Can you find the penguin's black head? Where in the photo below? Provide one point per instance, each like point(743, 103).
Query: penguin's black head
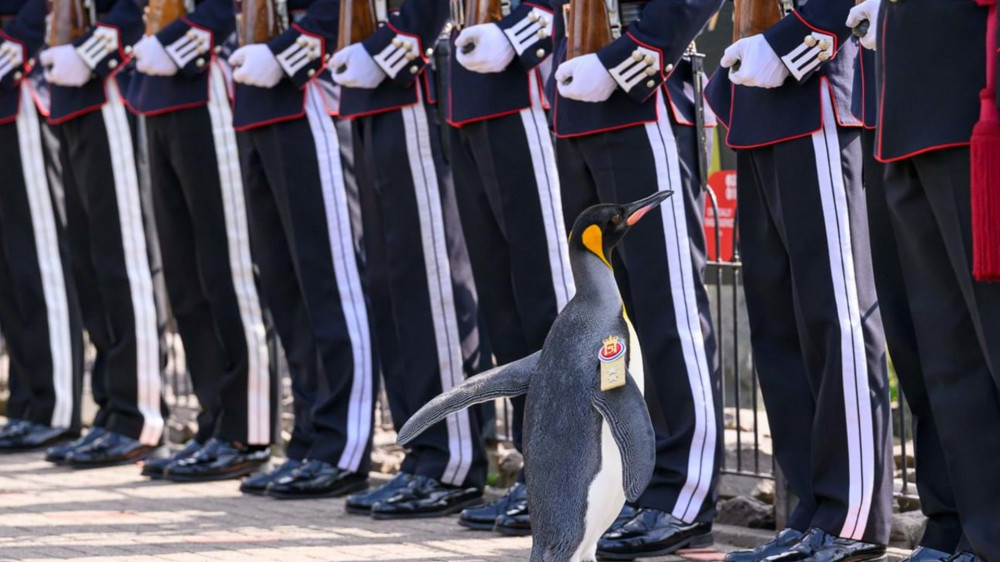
point(600, 228)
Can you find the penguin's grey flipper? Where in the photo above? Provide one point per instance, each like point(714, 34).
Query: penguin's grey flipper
point(624, 409)
point(506, 380)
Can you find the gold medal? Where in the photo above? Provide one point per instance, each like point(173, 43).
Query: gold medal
point(613, 369)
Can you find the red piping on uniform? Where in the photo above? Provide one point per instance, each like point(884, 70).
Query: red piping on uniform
point(555, 115)
point(732, 101)
point(451, 108)
point(281, 119)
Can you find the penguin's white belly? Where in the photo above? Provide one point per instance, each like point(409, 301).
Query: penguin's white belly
point(605, 497)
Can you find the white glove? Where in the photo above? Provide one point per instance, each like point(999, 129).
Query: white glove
point(152, 59)
point(64, 67)
point(584, 78)
point(256, 66)
point(355, 68)
point(759, 65)
point(866, 11)
point(492, 51)
point(11, 57)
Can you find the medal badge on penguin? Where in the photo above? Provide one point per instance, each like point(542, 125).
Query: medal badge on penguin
point(588, 439)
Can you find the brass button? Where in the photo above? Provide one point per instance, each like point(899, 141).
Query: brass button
point(410, 56)
point(414, 69)
point(199, 62)
point(540, 53)
point(542, 34)
point(128, 49)
point(824, 45)
point(650, 71)
point(326, 57)
point(429, 51)
point(637, 55)
point(112, 64)
point(650, 83)
point(311, 72)
point(532, 16)
point(190, 34)
point(301, 41)
point(648, 59)
point(217, 49)
point(809, 40)
point(823, 55)
point(17, 75)
point(397, 42)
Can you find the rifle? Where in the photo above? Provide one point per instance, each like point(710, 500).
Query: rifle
point(259, 21)
point(589, 26)
point(751, 17)
point(67, 21)
point(357, 21)
point(161, 13)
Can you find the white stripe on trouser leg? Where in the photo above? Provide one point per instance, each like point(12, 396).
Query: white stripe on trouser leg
point(140, 281)
point(549, 197)
point(50, 266)
point(438, 270)
point(240, 261)
point(836, 220)
point(701, 457)
point(345, 268)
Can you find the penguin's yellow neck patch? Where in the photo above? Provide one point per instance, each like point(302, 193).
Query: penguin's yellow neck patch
point(593, 240)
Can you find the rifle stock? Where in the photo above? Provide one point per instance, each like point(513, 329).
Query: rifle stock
point(258, 21)
point(67, 21)
point(588, 27)
point(751, 17)
point(161, 13)
point(482, 11)
point(357, 21)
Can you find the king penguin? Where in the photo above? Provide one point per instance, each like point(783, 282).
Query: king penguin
point(588, 439)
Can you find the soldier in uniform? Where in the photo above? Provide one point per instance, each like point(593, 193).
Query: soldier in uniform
point(815, 324)
point(926, 138)
point(38, 307)
point(301, 208)
point(201, 218)
point(937, 499)
point(508, 197)
point(112, 250)
point(423, 297)
point(623, 126)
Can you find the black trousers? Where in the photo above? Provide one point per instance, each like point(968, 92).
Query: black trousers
point(816, 329)
point(204, 236)
point(39, 313)
point(423, 296)
point(937, 499)
point(660, 270)
point(507, 189)
point(956, 325)
point(300, 215)
point(110, 243)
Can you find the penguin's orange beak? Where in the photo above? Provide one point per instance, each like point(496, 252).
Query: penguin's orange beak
point(637, 210)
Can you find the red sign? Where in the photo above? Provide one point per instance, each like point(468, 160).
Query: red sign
point(723, 183)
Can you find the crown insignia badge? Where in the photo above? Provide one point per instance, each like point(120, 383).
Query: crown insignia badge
point(612, 349)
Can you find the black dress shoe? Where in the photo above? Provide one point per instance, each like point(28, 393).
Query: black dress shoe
point(218, 460)
point(653, 533)
point(782, 542)
point(426, 497)
point(965, 557)
point(58, 453)
point(317, 479)
point(924, 554)
point(624, 516)
point(515, 523)
point(11, 426)
point(153, 468)
point(819, 546)
point(361, 504)
point(484, 517)
point(256, 484)
point(109, 449)
point(29, 436)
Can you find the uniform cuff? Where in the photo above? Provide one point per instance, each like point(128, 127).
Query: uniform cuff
point(301, 54)
point(637, 67)
point(11, 63)
point(400, 55)
point(801, 47)
point(101, 49)
point(189, 46)
point(529, 30)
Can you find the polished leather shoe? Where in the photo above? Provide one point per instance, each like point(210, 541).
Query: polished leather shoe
point(109, 449)
point(218, 460)
point(782, 542)
point(624, 516)
point(653, 533)
point(57, 454)
point(426, 497)
point(819, 546)
point(256, 484)
point(9, 427)
point(924, 554)
point(29, 436)
point(515, 523)
point(317, 479)
point(965, 557)
point(153, 468)
point(483, 518)
point(361, 504)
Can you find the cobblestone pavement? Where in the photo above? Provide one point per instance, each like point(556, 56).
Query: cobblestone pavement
point(51, 512)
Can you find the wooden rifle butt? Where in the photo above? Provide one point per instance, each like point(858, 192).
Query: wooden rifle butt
point(67, 21)
point(588, 27)
point(161, 13)
point(357, 21)
point(259, 21)
point(482, 11)
point(751, 17)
